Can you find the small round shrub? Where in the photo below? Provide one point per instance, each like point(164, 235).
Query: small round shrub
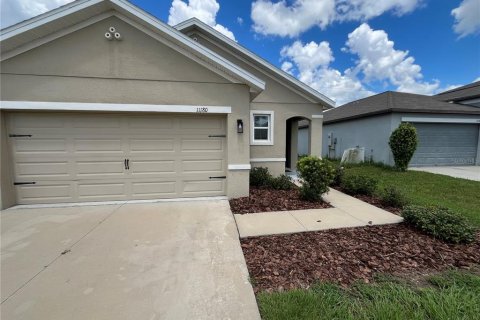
point(403, 143)
point(260, 177)
point(317, 175)
point(440, 223)
point(391, 196)
point(282, 182)
point(359, 185)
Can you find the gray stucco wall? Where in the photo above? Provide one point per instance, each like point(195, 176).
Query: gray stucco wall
point(372, 133)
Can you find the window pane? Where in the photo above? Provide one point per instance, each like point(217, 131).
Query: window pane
point(261, 134)
point(261, 121)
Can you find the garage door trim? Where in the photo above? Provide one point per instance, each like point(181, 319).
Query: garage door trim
point(439, 120)
point(113, 107)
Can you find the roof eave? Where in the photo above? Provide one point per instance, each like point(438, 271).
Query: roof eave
point(304, 88)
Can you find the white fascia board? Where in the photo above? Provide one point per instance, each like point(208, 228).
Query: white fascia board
point(317, 116)
point(46, 18)
point(439, 120)
point(268, 159)
point(236, 167)
point(249, 78)
point(195, 22)
point(111, 107)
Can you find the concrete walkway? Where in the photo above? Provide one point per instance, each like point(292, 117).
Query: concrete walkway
point(463, 172)
point(347, 212)
point(171, 260)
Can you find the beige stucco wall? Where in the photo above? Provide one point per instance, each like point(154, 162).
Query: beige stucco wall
point(85, 67)
point(7, 191)
point(279, 98)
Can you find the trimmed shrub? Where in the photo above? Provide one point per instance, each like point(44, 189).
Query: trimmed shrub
point(260, 177)
point(317, 175)
point(282, 182)
point(440, 223)
point(403, 143)
point(391, 196)
point(359, 185)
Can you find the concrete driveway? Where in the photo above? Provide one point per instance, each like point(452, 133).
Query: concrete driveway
point(464, 172)
point(171, 260)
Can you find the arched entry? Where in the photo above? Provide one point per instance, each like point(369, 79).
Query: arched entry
point(297, 141)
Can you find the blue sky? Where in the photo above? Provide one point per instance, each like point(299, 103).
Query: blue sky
point(346, 49)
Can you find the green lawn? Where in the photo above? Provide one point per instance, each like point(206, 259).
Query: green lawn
point(452, 295)
point(423, 188)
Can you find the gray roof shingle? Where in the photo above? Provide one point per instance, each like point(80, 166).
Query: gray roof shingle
point(469, 91)
point(391, 101)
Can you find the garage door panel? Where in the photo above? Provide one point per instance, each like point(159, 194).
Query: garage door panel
point(149, 167)
point(152, 145)
point(40, 145)
point(190, 166)
point(155, 189)
point(100, 169)
point(45, 192)
point(47, 170)
point(202, 187)
point(102, 190)
point(202, 145)
point(98, 145)
point(209, 124)
point(445, 144)
point(80, 157)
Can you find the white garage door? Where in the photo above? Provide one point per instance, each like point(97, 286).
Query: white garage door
point(98, 157)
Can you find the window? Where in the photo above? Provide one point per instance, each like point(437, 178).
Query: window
point(261, 127)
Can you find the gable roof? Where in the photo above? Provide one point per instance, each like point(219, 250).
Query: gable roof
point(470, 91)
point(191, 24)
point(33, 32)
point(391, 101)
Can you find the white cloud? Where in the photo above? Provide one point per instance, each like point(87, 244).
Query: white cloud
point(14, 11)
point(290, 20)
point(240, 20)
point(284, 19)
point(310, 63)
point(308, 56)
point(467, 18)
point(379, 60)
point(204, 10)
point(367, 9)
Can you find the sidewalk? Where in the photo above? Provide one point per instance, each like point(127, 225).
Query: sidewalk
point(347, 212)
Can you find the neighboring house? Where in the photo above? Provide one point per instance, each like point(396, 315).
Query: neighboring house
point(102, 101)
point(448, 132)
point(469, 95)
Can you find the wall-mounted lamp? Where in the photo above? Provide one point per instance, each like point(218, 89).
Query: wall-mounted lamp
point(239, 126)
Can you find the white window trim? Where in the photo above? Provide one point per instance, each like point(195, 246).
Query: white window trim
point(271, 128)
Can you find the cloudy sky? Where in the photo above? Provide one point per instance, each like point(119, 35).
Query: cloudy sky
point(346, 49)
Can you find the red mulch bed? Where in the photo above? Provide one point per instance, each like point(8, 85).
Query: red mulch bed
point(346, 255)
point(267, 200)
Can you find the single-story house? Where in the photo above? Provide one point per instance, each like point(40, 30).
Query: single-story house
point(102, 101)
point(469, 95)
point(448, 132)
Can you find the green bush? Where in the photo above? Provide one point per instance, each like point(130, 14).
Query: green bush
point(260, 177)
point(281, 182)
point(393, 197)
point(359, 184)
point(338, 176)
point(403, 143)
point(441, 223)
point(317, 174)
